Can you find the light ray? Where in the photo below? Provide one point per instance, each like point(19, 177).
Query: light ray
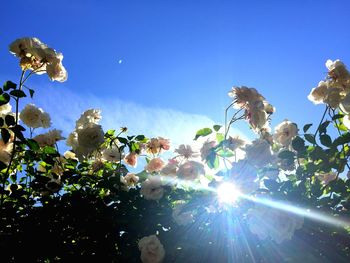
point(234, 196)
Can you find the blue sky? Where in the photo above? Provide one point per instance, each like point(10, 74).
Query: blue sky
point(181, 56)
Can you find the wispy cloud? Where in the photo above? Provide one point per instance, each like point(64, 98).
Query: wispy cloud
point(65, 107)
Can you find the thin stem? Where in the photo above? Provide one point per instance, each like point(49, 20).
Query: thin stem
point(318, 127)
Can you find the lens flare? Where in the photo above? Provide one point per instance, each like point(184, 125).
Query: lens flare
point(227, 193)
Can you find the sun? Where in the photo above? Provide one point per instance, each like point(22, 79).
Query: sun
point(227, 193)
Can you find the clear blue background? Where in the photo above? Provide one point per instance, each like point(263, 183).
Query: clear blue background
point(186, 55)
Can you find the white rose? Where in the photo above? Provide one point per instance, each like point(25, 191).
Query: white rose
point(35, 117)
point(269, 222)
point(112, 154)
point(89, 116)
point(182, 217)
point(130, 180)
point(345, 104)
point(5, 151)
point(186, 151)
point(318, 94)
point(206, 149)
point(49, 139)
point(259, 153)
point(152, 189)
point(337, 70)
point(5, 109)
point(57, 72)
point(72, 140)
point(91, 137)
point(326, 178)
point(155, 165)
point(152, 251)
point(285, 132)
point(170, 168)
point(190, 170)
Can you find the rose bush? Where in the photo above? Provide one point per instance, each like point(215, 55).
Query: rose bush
point(292, 198)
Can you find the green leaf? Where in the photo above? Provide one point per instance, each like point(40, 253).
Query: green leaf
point(4, 98)
point(307, 127)
point(337, 116)
point(343, 139)
point(33, 145)
point(217, 127)
point(31, 93)
point(122, 140)
point(310, 138)
point(326, 140)
point(271, 184)
point(220, 137)
point(140, 138)
point(18, 93)
point(323, 127)
point(298, 144)
point(224, 153)
point(50, 150)
point(212, 160)
point(9, 85)
point(5, 134)
point(10, 120)
point(286, 155)
point(203, 132)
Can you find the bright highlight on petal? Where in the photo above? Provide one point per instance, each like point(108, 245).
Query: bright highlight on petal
point(227, 193)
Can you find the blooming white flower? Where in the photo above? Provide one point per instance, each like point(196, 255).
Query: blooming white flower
point(5, 151)
point(318, 94)
point(35, 117)
point(131, 159)
point(345, 104)
point(326, 178)
point(268, 222)
point(70, 155)
point(154, 165)
point(346, 121)
point(5, 109)
point(186, 151)
point(285, 132)
point(112, 154)
point(181, 217)
point(131, 180)
point(152, 189)
point(170, 168)
point(56, 71)
point(72, 140)
point(91, 116)
point(38, 57)
point(337, 70)
point(234, 143)
point(156, 145)
point(49, 139)
point(259, 153)
point(244, 95)
point(91, 136)
point(190, 170)
point(206, 149)
point(152, 251)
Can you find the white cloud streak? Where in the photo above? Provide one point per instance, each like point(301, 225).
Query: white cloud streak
point(65, 107)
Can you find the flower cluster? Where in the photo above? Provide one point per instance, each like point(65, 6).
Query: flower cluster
point(37, 56)
point(335, 89)
point(257, 109)
point(88, 134)
point(35, 117)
